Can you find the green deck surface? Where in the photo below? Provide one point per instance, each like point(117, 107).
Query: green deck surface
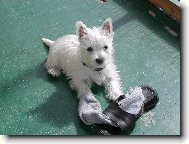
point(176, 2)
point(33, 103)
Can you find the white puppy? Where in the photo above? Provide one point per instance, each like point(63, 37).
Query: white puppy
point(86, 58)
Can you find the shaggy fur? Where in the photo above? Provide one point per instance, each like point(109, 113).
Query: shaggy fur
point(72, 55)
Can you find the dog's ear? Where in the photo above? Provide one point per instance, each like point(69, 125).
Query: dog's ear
point(107, 26)
point(81, 29)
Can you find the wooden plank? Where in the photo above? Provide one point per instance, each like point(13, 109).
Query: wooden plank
point(168, 7)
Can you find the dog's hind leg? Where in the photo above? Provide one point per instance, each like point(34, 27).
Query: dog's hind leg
point(52, 66)
point(55, 72)
point(47, 42)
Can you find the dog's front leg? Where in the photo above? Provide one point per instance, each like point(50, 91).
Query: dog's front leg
point(113, 88)
point(89, 109)
point(82, 88)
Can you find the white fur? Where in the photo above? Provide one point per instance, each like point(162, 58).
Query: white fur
point(68, 52)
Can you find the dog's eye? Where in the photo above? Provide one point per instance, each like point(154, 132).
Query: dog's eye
point(90, 49)
point(105, 47)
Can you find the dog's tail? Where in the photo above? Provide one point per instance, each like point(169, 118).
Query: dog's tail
point(47, 42)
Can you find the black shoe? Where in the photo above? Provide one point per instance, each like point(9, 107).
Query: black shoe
point(151, 97)
point(125, 122)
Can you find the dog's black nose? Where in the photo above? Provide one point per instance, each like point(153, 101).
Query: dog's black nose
point(99, 61)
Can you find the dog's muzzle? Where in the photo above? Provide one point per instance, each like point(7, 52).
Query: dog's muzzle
point(96, 69)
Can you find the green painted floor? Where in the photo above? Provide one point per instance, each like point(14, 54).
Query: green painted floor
point(177, 2)
point(33, 103)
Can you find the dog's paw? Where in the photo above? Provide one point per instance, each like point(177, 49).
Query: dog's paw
point(112, 96)
point(54, 72)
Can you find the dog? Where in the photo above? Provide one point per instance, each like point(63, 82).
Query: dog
point(86, 58)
